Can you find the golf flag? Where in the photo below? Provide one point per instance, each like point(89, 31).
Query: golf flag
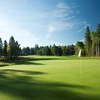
point(79, 54)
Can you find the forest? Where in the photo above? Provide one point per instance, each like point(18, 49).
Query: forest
point(90, 47)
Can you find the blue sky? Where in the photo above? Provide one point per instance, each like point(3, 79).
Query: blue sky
point(45, 22)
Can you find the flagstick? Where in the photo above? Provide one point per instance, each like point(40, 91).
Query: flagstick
point(80, 69)
point(79, 55)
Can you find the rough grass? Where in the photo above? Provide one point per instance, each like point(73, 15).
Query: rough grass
point(50, 78)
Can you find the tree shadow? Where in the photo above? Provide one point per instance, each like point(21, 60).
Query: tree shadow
point(46, 58)
point(30, 60)
point(22, 85)
point(26, 72)
point(3, 65)
point(24, 61)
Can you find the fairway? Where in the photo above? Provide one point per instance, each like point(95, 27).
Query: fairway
point(50, 78)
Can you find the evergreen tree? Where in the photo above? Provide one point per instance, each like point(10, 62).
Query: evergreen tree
point(53, 49)
point(17, 49)
point(27, 50)
point(64, 50)
point(24, 51)
point(32, 51)
point(5, 49)
point(36, 48)
point(88, 42)
point(98, 40)
point(13, 48)
point(94, 46)
point(0, 47)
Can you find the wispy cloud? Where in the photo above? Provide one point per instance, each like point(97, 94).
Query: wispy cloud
point(51, 29)
point(82, 26)
point(62, 5)
point(63, 18)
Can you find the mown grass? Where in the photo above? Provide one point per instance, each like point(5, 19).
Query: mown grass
point(50, 78)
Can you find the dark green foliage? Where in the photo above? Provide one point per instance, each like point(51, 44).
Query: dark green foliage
point(10, 50)
point(92, 42)
point(98, 29)
point(98, 41)
point(27, 51)
point(36, 48)
point(64, 51)
point(88, 42)
point(70, 50)
point(5, 49)
point(53, 49)
point(80, 45)
point(32, 51)
point(50, 50)
point(17, 49)
point(1, 47)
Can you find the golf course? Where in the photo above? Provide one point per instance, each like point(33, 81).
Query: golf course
point(50, 78)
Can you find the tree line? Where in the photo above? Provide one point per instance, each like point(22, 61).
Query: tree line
point(90, 47)
point(49, 50)
point(9, 51)
point(12, 49)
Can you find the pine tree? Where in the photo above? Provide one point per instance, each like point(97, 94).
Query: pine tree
point(98, 40)
point(0, 47)
point(11, 47)
point(17, 49)
point(88, 42)
point(5, 49)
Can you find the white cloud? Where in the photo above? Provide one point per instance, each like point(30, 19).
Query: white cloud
point(58, 26)
point(48, 35)
point(80, 30)
point(51, 29)
point(82, 26)
point(62, 5)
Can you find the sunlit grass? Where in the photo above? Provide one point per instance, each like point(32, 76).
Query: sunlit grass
point(50, 78)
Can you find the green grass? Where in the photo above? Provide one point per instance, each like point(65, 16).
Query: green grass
point(50, 78)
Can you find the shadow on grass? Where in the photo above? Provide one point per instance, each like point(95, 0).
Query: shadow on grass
point(29, 61)
point(3, 65)
point(24, 61)
point(22, 85)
